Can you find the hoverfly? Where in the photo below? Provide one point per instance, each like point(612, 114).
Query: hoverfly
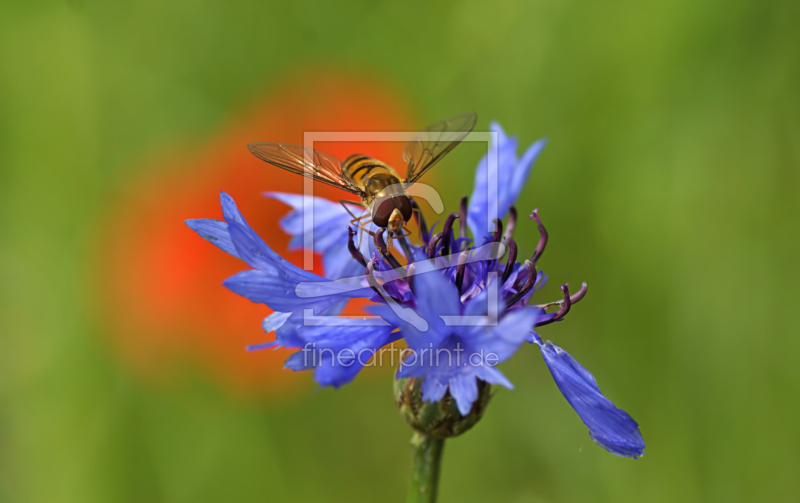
point(383, 193)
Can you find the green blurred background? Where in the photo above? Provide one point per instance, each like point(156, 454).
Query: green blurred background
point(670, 184)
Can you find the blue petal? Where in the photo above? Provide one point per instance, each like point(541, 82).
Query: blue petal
point(329, 231)
point(264, 345)
point(481, 212)
point(338, 263)
point(433, 388)
point(336, 353)
point(511, 176)
point(255, 252)
point(493, 376)
point(247, 236)
point(335, 308)
point(413, 368)
point(328, 216)
point(464, 389)
point(274, 321)
point(477, 216)
point(612, 428)
point(502, 137)
point(218, 233)
point(523, 169)
point(275, 281)
point(215, 232)
point(470, 350)
point(503, 340)
point(437, 297)
point(230, 212)
point(422, 325)
point(279, 292)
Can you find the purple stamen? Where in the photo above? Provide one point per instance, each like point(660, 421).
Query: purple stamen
point(447, 230)
point(573, 299)
point(512, 258)
point(380, 244)
point(373, 283)
point(512, 222)
point(461, 269)
point(351, 246)
point(566, 304)
point(542, 237)
point(529, 282)
point(462, 222)
point(498, 230)
point(433, 243)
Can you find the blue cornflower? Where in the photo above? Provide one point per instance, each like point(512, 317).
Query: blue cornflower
point(460, 308)
point(512, 173)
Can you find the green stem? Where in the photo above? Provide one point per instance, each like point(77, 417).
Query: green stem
point(425, 472)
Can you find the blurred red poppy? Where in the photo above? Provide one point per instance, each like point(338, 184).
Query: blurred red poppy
point(160, 284)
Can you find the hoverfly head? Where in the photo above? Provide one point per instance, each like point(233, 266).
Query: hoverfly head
point(396, 221)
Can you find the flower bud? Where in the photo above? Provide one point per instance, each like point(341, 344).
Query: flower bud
point(439, 419)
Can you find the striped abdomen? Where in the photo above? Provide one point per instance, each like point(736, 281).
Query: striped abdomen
point(360, 168)
point(385, 193)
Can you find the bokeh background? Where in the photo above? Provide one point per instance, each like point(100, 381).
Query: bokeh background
point(670, 184)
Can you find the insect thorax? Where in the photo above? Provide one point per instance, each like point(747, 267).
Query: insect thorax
point(372, 176)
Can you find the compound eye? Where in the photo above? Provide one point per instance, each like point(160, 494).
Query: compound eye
point(403, 204)
point(380, 216)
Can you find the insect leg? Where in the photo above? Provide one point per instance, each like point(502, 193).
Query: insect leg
point(360, 223)
point(405, 246)
point(399, 236)
point(345, 202)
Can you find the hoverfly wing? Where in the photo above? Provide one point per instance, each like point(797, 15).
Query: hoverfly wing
point(428, 147)
point(304, 161)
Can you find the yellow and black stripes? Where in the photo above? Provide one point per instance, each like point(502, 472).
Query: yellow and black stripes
point(359, 168)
